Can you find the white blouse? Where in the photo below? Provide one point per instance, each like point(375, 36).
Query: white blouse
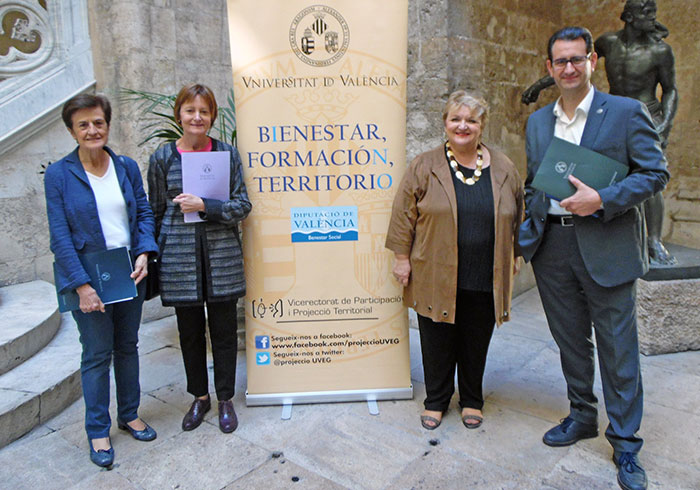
point(111, 208)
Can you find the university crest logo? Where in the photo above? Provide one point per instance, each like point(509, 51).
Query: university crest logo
point(319, 35)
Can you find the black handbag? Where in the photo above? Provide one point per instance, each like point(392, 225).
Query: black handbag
point(153, 279)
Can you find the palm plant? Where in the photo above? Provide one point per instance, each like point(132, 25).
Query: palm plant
point(226, 120)
point(156, 111)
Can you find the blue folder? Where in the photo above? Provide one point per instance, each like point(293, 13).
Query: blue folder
point(110, 276)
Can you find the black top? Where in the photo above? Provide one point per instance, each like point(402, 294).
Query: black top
point(475, 231)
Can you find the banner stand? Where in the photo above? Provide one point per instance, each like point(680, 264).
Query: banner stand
point(372, 408)
point(265, 399)
point(320, 97)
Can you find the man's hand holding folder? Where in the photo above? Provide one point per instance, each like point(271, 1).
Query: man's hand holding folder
point(584, 202)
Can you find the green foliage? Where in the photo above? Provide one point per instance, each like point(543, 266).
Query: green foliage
point(156, 113)
point(226, 124)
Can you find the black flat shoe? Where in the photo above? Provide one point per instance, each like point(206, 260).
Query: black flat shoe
point(147, 434)
point(569, 432)
point(630, 474)
point(195, 415)
point(103, 457)
point(228, 421)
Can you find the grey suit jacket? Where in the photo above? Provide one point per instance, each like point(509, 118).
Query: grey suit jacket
point(613, 240)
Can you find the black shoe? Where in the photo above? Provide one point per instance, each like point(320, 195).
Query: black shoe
point(569, 432)
point(147, 434)
point(228, 421)
point(103, 457)
point(195, 415)
point(630, 474)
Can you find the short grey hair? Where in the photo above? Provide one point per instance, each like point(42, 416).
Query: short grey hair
point(476, 104)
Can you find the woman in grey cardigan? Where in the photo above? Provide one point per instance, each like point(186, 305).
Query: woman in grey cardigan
point(200, 263)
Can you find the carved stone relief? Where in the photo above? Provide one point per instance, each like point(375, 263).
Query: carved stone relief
point(45, 58)
point(26, 37)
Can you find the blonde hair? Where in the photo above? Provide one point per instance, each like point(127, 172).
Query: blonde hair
point(476, 104)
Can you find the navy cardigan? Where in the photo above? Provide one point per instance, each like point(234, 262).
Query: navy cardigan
point(74, 224)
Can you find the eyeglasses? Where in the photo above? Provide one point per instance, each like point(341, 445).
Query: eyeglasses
point(575, 60)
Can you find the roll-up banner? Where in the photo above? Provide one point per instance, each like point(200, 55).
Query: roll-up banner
point(320, 95)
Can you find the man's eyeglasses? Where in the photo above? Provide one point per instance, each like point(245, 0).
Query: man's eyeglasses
point(574, 60)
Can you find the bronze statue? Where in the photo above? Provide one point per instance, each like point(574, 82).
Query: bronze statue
point(637, 60)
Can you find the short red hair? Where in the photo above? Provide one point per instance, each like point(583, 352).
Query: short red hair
point(189, 92)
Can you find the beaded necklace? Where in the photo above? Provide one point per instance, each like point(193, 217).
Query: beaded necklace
point(455, 165)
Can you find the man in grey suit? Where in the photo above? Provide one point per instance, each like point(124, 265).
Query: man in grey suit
point(588, 250)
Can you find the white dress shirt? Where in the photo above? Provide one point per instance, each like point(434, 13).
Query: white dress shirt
point(570, 130)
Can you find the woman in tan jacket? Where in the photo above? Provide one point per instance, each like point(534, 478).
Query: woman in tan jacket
point(453, 231)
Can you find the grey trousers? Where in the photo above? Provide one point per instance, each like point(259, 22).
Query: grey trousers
point(573, 301)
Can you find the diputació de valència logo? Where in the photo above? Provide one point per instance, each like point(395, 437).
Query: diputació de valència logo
point(319, 35)
point(324, 224)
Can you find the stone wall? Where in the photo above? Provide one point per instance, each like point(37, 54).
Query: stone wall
point(24, 236)
point(153, 45)
point(496, 47)
point(156, 46)
point(681, 17)
point(683, 195)
point(493, 47)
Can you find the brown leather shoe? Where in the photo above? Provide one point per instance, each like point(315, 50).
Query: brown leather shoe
point(227, 417)
point(195, 415)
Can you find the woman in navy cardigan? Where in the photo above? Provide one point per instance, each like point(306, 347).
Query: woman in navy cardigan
point(95, 201)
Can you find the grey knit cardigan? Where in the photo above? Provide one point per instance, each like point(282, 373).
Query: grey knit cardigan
point(191, 253)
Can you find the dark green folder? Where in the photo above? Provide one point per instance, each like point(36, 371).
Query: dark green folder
point(563, 159)
point(110, 276)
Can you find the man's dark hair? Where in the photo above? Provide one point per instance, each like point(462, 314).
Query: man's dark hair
point(85, 101)
point(571, 34)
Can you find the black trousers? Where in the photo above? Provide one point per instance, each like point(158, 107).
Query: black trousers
point(191, 323)
point(463, 345)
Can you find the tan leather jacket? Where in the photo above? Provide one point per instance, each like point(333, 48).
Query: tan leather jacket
point(428, 236)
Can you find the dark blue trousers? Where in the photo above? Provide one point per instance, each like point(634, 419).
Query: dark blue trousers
point(575, 306)
point(106, 336)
